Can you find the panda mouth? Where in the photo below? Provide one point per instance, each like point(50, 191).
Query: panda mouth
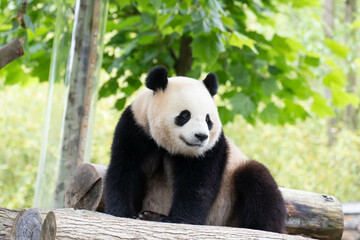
point(190, 144)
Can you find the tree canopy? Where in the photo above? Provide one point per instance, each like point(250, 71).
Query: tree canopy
point(263, 75)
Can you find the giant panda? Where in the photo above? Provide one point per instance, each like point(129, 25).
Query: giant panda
point(171, 162)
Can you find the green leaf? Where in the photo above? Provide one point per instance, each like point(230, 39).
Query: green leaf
point(28, 23)
point(207, 48)
point(120, 103)
point(270, 114)
point(294, 110)
point(312, 61)
point(337, 48)
point(336, 77)
point(242, 104)
point(273, 70)
point(225, 115)
point(156, 4)
point(215, 6)
point(162, 20)
point(241, 75)
point(239, 40)
point(228, 21)
point(341, 98)
point(355, 24)
point(269, 86)
point(124, 3)
point(109, 88)
point(320, 107)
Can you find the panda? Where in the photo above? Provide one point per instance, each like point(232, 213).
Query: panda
point(171, 162)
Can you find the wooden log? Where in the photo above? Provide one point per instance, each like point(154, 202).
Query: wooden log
point(27, 225)
point(85, 189)
point(313, 214)
point(309, 214)
point(83, 224)
point(7, 217)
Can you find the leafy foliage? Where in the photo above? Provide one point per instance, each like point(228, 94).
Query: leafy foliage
point(34, 22)
point(266, 78)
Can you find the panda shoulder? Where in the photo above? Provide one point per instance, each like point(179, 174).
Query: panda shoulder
point(139, 108)
point(235, 156)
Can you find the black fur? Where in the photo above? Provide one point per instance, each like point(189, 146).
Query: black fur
point(259, 203)
point(209, 122)
point(211, 83)
point(196, 180)
point(157, 78)
point(183, 118)
point(197, 183)
point(125, 182)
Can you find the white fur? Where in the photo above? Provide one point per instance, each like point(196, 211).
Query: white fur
point(156, 114)
point(163, 107)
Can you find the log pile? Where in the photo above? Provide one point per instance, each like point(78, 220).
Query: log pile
point(84, 224)
point(309, 215)
point(351, 221)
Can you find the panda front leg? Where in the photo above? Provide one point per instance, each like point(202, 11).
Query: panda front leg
point(125, 181)
point(259, 203)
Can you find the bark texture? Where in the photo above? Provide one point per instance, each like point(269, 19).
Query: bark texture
point(11, 51)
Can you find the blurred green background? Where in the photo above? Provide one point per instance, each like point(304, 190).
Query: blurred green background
point(276, 55)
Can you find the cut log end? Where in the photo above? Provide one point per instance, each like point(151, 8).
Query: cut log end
point(27, 225)
point(85, 189)
point(49, 227)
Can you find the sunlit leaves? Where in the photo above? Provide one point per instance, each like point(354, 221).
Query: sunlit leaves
point(355, 24)
point(337, 48)
point(336, 77)
point(254, 69)
point(341, 98)
point(239, 40)
point(320, 107)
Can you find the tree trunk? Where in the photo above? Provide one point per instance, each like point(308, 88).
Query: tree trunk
point(85, 58)
point(351, 112)
point(309, 214)
point(184, 62)
point(329, 7)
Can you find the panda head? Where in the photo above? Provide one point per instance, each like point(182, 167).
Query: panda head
point(182, 115)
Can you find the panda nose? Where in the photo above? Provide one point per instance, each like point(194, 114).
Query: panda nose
point(202, 137)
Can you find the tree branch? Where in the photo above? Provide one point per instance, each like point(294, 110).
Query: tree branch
point(11, 51)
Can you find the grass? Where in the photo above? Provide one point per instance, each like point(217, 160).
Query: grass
point(298, 155)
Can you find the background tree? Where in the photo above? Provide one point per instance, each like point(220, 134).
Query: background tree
point(262, 77)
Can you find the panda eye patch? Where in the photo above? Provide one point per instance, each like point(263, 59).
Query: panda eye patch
point(209, 122)
point(183, 118)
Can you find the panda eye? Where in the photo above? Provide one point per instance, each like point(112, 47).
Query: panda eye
point(209, 122)
point(207, 119)
point(183, 118)
point(185, 114)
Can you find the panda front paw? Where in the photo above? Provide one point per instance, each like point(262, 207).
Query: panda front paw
point(151, 216)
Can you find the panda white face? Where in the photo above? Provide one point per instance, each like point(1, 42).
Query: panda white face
point(183, 118)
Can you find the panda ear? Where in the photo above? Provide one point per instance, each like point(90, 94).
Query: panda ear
point(211, 83)
point(157, 78)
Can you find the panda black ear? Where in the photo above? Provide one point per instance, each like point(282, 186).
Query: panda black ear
point(157, 78)
point(211, 83)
